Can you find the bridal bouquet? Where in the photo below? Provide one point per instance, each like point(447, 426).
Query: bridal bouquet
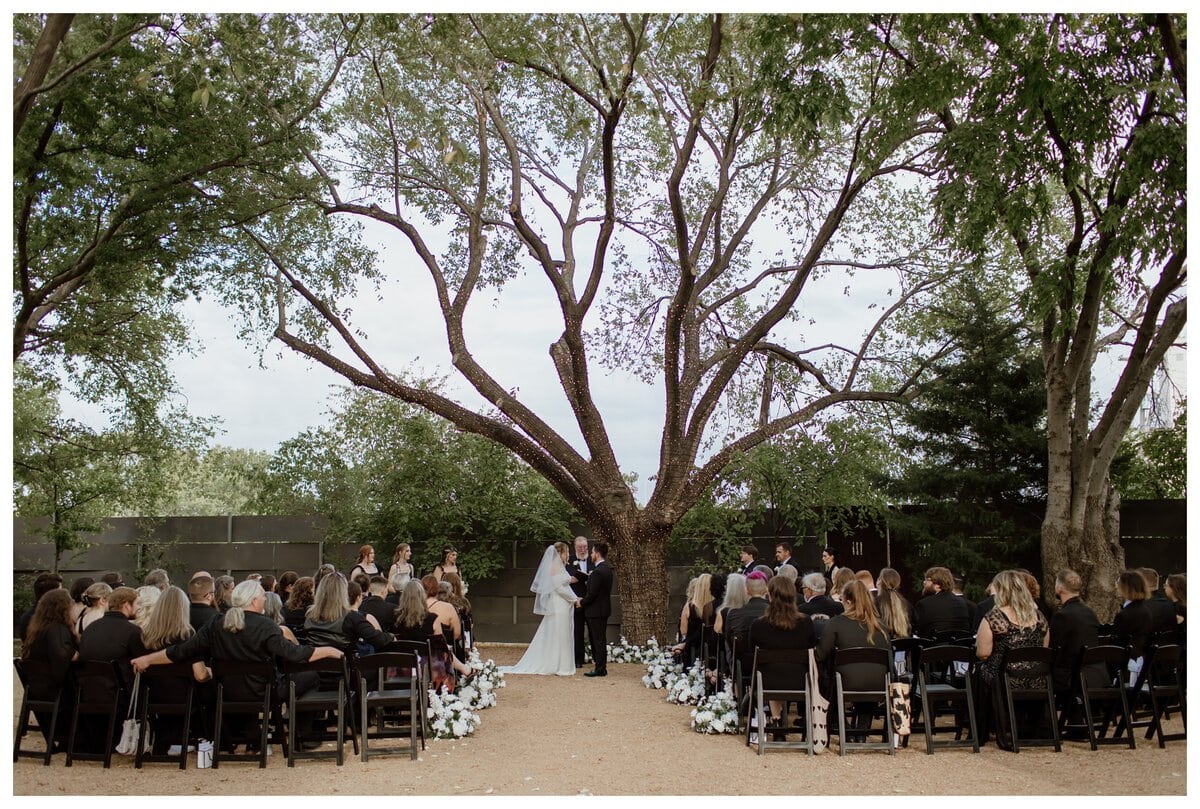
point(716, 713)
point(450, 717)
point(689, 688)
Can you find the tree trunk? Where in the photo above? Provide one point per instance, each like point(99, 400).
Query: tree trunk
point(1086, 540)
point(638, 554)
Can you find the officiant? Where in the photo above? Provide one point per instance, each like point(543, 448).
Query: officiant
point(579, 567)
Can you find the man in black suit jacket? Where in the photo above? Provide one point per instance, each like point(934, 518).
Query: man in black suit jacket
point(783, 555)
point(202, 602)
point(1072, 627)
point(578, 567)
point(1161, 608)
point(940, 610)
point(113, 637)
point(815, 600)
point(748, 559)
point(596, 606)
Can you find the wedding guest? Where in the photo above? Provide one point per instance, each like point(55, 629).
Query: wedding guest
point(1015, 622)
point(95, 600)
point(447, 564)
point(429, 626)
point(738, 620)
point(147, 597)
point(113, 637)
point(167, 625)
point(816, 603)
point(200, 573)
point(78, 588)
point(841, 578)
point(373, 602)
point(1133, 625)
point(447, 616)
point(332, 621)
point(157, 578)
point(1073, 628)
point(764, 571)
point(323, 571)
point(299, 601)
point(697, 613)
point(51, 639)
point(1161, 608)
point(788, 572)
point(245, 634)
point(401, 570)
point(283, 587)
point(462, 606)
point(972, 607)
point(113, 579)
point(268, 583)
point(939, 610)
point(395, 585)
point(867, 579)
point(858, 626)
point(202, 603)
point(895, 613)
point(273, 609)
point(223, 592)
point(44, 583)
point(366, 562)
point(735, 596)
point(1176, 589)
point(361, 581)
point(782, 627)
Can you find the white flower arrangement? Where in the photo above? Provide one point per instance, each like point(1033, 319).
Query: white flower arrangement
point(662, 669)
point(689, 688)
point(449, 716)
point(625, 652)
point(480, 691)
point(716, 713)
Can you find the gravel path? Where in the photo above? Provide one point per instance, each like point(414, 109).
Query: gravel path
point(612, 736)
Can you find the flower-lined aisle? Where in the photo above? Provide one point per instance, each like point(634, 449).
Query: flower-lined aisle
point(452, 716)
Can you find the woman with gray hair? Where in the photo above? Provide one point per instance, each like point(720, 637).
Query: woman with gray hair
point(332, 622)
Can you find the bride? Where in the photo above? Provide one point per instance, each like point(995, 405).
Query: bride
point(552, 650)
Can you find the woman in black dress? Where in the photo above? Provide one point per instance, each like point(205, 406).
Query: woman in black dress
point(50, 640)
point(856, 627)
point(167, 625)
point(782, 626)
point(1134, 624)
point(1014, 622)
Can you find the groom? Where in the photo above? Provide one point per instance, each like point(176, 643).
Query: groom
point(597, 606)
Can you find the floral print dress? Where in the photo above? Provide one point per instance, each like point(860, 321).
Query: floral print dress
point(1007, 635)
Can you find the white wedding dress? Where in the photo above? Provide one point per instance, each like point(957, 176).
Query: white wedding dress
point(552, 650)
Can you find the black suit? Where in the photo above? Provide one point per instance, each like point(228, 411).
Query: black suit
point(596, 607)
point(1162, 611)
point(579, 588)
point(748, 569)
point(1133, 626)
point(941, 612)
point(1072, 628)
point(789, 561)
point(112, 637)
point(821, 605)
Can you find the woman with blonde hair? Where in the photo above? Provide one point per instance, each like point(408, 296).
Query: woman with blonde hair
point(147, 597)
point(697, 614)
point(1014, 622)
point(857, 626)
point(895, 612)
point(95, 599)
point(841, 577)
point(168, 624)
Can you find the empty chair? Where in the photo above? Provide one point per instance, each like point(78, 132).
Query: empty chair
point(98, 694)
point(943, 691)
point(41, 697)
point(165, 704)
point(779, 675)
point(398, 704)
point(1111, 693)
point(877, 695)
point(1022, 667)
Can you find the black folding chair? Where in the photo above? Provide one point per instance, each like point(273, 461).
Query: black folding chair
point(1029, 662)
point(906, 663)
point(403, 694)
point(882, 658)
point(260, 709)
point(794, 692)
point(933, 693)
point(100, 682)
point(332, 694)
point(1166, 688)
point(33, 672)
point(166, 691)
point(1114, 660)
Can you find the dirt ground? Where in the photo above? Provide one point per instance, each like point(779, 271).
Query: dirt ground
point(612, 737)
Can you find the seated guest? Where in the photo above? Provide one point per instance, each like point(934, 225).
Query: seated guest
point(1161, 608)
point(283, 586)
point(396, 583)
point(939, 610)
point(95, 602)
point(789, 572)
point(168, 624)
point(458, 599)
point(782, 627)
point(157, 578)
point(816, 603)
point(696, 613)
point(332, 622)
point(895, 613)
point(245, 634)
point(202, 602)
point(373, 602)
point(738, 620)
point(867, 579)
point(841, 578)
point(147, 597)
point(1133, 625)
point(295, 609)
point(273, 609)
point(113, 579)
point(959, 582)
point(78, 588)
point(44, 583)
point(1073, 628)
point(322, 571)
point(50, 639)
point(114, 637)
point(856, 627)
point(735, 596)
point(1015, 622)
point(416, 621)
point(223, 592)
point(1176, 588)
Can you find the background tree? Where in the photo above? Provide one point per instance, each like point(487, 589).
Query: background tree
point(1152, 464)
point(212, 481)
point(973, 488)
point(635, 162)
point(1071, 147)
point(386, 472)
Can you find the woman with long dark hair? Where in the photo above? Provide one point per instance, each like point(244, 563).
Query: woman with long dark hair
point(50, 639)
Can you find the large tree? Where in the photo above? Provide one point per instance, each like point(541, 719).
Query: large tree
point(680, 182)
point(1070, 147)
